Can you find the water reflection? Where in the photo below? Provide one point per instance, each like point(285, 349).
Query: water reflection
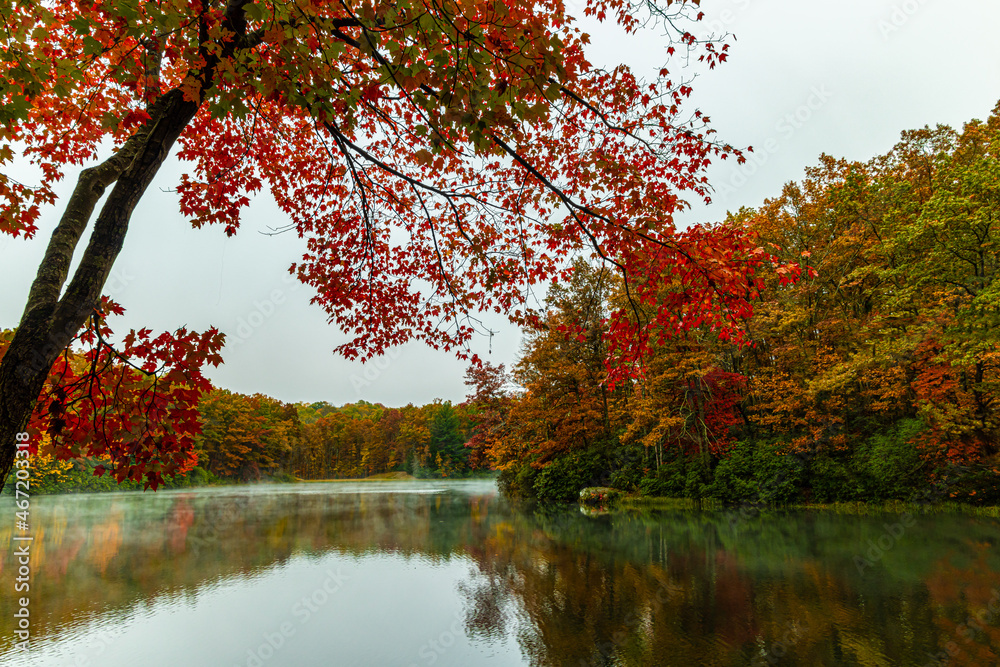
point(416, 574)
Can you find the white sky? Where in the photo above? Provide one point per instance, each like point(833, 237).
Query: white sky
point(868, 68)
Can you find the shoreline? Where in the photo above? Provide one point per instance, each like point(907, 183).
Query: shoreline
point(860, 508)
point(381, 477)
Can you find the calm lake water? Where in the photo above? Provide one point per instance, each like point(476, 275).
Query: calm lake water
point(415, 574)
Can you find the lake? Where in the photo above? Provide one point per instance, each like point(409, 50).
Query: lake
point(447, 573)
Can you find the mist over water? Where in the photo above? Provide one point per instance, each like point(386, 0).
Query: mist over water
point(450, 574)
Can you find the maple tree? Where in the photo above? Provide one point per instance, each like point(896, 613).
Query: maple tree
point(874, 376)
point(489, 404)
point(686, 403)
point(899, 326)
point(565, 403)
point(478, 129)
point(135, 406)
point(571, 421)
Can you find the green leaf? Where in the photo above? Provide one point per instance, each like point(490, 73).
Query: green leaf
point(91, 46)
point(80, 24)
point(254, 12)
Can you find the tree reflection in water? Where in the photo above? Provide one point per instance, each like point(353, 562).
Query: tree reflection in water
point(630, 590)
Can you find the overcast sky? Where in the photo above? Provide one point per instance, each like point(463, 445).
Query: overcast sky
point(804, 78)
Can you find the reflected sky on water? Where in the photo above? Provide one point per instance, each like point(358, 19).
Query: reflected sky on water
point(447, 573)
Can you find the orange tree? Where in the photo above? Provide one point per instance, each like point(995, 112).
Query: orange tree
point(244, 437)
point(488, 405)
point(440, 158)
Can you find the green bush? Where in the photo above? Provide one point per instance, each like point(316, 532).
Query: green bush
point(561, 480)
point(733, 478)
point(778, 475)
point(196, 477)
point(626, 463)
point(978, 484)
point(81, 479)
point(698, 481)
point(832, 480)
point(518, 482)
point(667, 482)
point(890, 463)
point(884, 466)
point(280, 477)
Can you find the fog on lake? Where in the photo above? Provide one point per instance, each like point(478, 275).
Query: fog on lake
point(448, 573)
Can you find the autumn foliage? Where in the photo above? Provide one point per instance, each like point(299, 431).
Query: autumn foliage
point(134, 407)
point(877, 375)
point(440, 159)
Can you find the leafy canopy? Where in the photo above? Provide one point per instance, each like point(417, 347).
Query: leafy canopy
point(439, 157)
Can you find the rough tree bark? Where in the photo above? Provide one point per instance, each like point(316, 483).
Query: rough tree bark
point(49, 322)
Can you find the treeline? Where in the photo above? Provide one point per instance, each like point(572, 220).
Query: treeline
point(873, 377)
point(250, 438)
point(259, 438)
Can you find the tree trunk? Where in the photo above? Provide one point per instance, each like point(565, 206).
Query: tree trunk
point(49, 323)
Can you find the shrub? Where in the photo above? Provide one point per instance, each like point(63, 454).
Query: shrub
point(978, 484)
point(626, 464)
point(668, 481)
point(77, 476)
point(733, 478)
point(517, 482)
point(698, 481)
point(561, 480)
point(890, 463)
point(833, 480)
point(777, 474)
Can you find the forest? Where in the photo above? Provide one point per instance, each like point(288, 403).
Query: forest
point(875, 375)
point(259, 438)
